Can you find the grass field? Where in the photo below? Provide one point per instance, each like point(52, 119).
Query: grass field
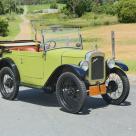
point(96, 29)
point(14, 28)
point(89, 19)
point(125, 42)
point(33, 8)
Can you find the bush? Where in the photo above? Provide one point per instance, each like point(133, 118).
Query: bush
point(126, 10)
point(77, 8)
point(54, 6)
point(3, 27)
point(1, 8)
point(20, 10)
point(107, 8)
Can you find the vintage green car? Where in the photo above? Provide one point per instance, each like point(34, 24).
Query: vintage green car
point(67, 69)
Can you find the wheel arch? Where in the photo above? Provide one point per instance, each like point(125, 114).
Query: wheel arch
point(118, 65)
point(121, 65)
point(8, 62)
point(80, 73)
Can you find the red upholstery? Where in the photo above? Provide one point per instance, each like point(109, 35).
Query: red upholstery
point(26, 48)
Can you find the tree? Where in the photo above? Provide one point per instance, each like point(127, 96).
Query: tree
point(126, 10)
point(3, 27)
point(77, 7)
point(10, 6)
point(1, 8)
point(72, 5)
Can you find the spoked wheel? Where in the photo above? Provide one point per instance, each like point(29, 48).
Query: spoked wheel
point(117, 87)
point(8, 84)
point(71, 92)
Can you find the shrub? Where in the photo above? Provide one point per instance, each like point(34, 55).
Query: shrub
point(3, 27)
point(54, 6)
point(107, 8)
point(1, 8)
point(77, 7)
point(20, 10)
point(126, 10)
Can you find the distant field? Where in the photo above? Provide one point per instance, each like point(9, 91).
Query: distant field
point(32, 8)
point(87, 20)
point(125, 41)
point(14, 28)
point(95, 29)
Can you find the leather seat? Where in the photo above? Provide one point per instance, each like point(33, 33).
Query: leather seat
point(26, 48)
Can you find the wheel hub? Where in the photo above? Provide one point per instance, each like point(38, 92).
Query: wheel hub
point(71, 92)
point(9, 83)
point(112, 87)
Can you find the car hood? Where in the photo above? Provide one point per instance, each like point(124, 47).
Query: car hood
point(74, 53)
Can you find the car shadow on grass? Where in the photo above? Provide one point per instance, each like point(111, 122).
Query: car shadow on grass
point(39, 97)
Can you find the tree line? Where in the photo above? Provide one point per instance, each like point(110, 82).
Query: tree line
point(9, 6)
point(124, 9)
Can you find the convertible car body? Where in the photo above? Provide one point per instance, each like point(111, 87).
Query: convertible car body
point(71, 72)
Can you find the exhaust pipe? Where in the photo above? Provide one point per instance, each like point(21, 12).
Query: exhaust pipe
point(113, 44)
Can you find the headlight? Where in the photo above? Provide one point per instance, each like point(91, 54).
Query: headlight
point(84, 65)
point(111, 63)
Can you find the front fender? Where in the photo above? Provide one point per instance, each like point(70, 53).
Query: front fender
point(121, 65)
point(80, 73)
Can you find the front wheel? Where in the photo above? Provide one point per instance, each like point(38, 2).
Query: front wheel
point(117, 87)
point(71, 92)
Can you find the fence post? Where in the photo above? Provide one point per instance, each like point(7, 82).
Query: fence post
point(113, 44)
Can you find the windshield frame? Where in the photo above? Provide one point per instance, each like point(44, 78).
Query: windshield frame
point(55, 28)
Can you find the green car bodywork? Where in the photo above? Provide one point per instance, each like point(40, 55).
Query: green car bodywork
point(35, 68)
point(71, 72)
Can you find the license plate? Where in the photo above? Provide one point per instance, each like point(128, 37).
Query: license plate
point(97, 90)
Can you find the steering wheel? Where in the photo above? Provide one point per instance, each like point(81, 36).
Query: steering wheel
point(50, 44)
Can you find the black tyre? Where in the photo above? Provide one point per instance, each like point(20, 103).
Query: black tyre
point(8, 84)
point(117, 87)
point(71, 92)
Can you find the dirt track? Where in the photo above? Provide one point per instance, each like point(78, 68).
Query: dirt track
point(25, 28)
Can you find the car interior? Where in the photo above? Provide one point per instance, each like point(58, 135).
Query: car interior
point(27, 45)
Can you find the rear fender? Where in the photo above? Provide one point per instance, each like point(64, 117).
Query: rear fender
point(7, 62)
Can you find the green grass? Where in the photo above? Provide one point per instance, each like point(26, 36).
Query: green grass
point(88, 20)
point(131, 65)
point(127, 41)
point(14, 27)
point(33, 8)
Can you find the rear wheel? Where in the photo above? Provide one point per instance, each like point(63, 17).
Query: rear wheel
point(8, 84)
point(71, 92)
point(117, 87)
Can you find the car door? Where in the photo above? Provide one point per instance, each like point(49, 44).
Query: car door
point(31, 67)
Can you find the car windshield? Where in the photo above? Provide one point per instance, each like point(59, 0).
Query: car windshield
point(57, 37)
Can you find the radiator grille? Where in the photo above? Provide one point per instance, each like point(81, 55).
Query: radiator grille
point(97, 67)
